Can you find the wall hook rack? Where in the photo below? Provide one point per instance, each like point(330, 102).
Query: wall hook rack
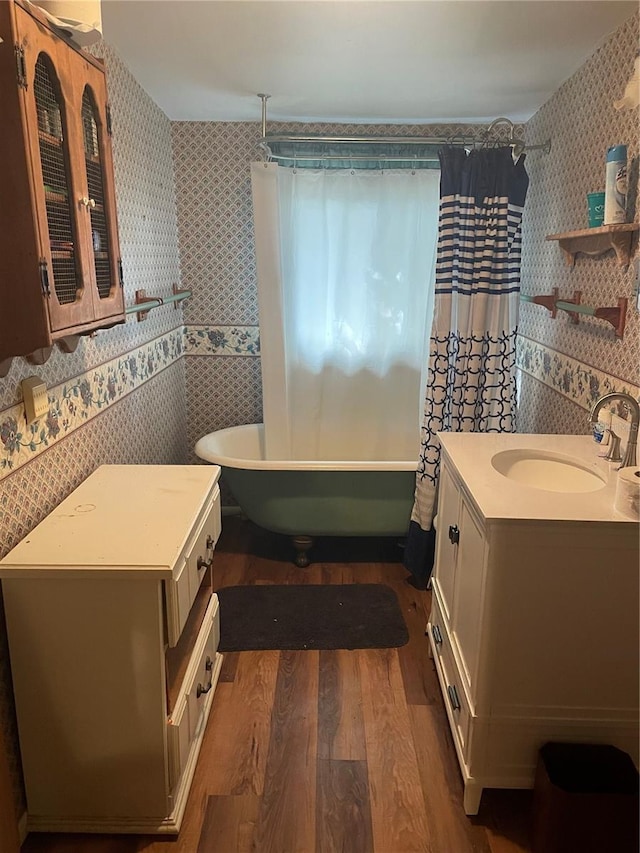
point(616, 315)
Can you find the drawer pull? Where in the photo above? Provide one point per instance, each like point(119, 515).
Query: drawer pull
point(206, 564)
point(453, 697)
point(454, 534)
point(207, 687)
point(437, 635)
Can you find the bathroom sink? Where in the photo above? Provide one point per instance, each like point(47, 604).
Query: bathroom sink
point(546, 470)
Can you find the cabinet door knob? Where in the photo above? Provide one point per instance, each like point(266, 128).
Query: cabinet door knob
point(453, 697)
point(88, 202)
point(454, 534)
point(437, 635)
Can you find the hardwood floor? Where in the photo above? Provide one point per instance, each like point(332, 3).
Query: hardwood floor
point(325, 752)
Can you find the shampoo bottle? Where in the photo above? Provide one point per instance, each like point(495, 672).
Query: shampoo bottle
point(615, 189)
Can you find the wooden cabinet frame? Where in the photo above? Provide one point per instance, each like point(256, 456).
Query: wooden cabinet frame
point(32, 317)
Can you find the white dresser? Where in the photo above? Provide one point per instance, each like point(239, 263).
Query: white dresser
point(534, 620)
point(113, 635)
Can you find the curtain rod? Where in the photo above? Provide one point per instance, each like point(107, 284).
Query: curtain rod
point(481, 138)
point(294, 158)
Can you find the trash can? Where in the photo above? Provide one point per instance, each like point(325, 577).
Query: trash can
point(585, 800)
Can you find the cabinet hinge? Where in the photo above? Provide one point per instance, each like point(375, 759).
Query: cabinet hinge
point(21, 67)
point(109, 126)
point(120, 272)
point(44, 277)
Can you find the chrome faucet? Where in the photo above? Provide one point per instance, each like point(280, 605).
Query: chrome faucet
point(634, 409)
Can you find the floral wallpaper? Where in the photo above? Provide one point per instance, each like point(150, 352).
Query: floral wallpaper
point(79, 399)
point(222, 340)
point(75, 402)
point(581, 361)
point(578, 382)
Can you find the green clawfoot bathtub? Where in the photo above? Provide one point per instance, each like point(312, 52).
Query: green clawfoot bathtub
point(310, 498)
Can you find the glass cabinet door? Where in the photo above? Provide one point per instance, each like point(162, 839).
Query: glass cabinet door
point(50, 127)
point(101, 208)
point(54, 160)
point(61, 262)
point(72, 170)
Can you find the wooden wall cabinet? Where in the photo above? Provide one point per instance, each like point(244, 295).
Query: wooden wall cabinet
point(60, 270)
point(113, 635)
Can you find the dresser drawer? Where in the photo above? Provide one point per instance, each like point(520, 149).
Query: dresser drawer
point(201, 547)
point(196, 558)
point(187, 721)
point(451, 684)
point(202, 684)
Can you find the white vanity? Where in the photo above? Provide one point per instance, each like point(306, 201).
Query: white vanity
point(113, 636)
point(534, 620)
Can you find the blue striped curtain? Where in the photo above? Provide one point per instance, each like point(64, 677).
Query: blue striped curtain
point(471, 377)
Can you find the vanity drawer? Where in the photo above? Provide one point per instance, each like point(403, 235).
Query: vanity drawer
point(451, 684)
point(186, 724)
point(196, 558)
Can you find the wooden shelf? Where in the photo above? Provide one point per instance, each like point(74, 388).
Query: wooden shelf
point(597, 241)
point(61, 255)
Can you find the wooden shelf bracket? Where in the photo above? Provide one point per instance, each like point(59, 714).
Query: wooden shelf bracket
point(615, 316)
point(549, 301)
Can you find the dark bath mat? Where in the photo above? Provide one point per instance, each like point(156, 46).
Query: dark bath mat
point(310, 616)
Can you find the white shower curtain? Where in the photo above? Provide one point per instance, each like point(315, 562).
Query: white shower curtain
point(345, 285)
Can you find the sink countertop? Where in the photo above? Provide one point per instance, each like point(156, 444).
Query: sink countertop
point(498, 497)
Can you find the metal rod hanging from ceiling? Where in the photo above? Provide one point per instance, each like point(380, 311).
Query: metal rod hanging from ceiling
point(482, 138)
point(296, 158)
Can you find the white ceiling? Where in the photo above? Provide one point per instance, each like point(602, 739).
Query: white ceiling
point(357, 60)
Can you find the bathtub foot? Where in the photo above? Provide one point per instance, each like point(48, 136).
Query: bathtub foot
point(302, 545)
